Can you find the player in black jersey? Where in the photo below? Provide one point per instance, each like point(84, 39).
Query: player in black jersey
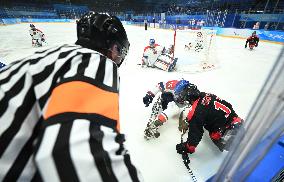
point(208, 111)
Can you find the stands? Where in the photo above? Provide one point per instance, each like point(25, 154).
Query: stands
point(43, 11)
point(193, 13)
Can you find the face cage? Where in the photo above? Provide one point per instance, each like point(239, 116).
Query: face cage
point(152, 43)
point(122, 54)
point(179, 98)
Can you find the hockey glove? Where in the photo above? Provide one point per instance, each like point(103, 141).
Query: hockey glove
point(256, 44)
point(147, 100)
point(245, 46)
point(184, 148)
point(145, 60)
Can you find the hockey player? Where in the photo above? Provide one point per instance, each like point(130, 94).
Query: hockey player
point(252, 41)
point(198, 44)
point(37, 36)
point(208, 111)
point(60, 109)
point(156, 56)
point(151, 53)
point(164, 108)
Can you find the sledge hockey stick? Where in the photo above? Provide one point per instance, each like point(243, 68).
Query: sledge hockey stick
point(186, 161)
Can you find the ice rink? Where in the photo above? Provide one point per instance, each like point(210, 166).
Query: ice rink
point(238, 80)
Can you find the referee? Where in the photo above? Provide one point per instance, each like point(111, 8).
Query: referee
point(59, 109)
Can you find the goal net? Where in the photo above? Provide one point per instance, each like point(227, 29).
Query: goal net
point(195, 50)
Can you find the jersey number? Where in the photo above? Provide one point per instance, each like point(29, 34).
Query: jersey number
point(224, 108)
point(170, 85)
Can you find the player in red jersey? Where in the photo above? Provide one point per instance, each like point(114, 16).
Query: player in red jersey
point(252, 41)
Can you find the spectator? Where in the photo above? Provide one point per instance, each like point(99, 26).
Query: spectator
point(256, 26)
point(266, 26)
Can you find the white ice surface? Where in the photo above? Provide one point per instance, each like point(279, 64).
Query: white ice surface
point(238, 79)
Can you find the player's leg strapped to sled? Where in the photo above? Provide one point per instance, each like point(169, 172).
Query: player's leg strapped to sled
point(222, 138)
point(164, 62)
point(36, 42)
point(225, 136)
point(157, 116)
point(153, 124)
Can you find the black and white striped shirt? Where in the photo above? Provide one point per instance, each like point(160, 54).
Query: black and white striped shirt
point(59, 118)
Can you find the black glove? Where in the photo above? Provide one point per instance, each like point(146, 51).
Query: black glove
point(147, 100)
point(256, 44)
point(184, 148)
point(245, 46)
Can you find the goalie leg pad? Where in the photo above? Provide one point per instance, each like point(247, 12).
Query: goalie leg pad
point(161, 64)
point(165, 62)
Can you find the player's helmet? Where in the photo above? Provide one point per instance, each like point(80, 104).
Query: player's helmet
point(32, 26)
point(152, 42)
point(185, 91)
point(100, 32)
point(253, 33)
